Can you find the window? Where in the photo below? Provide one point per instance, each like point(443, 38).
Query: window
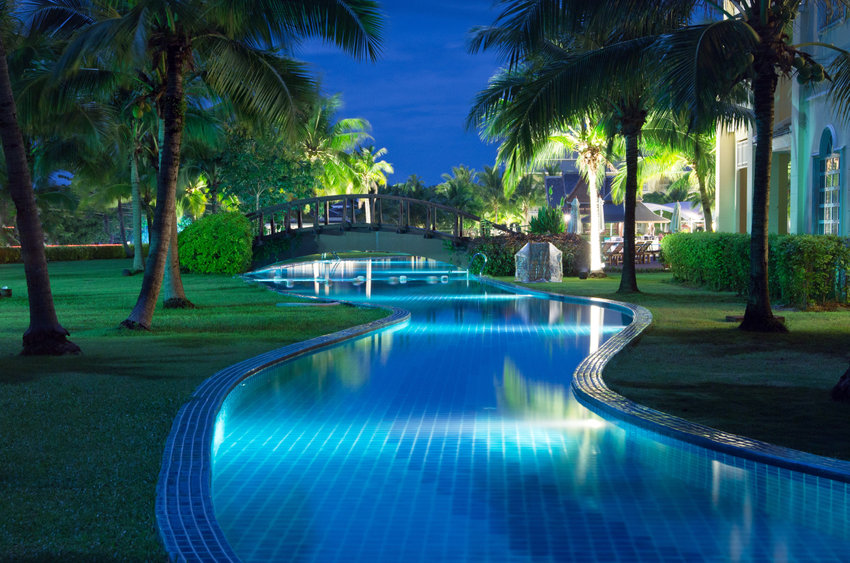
point(829, 195)
point(830, 14)
point(741, 157)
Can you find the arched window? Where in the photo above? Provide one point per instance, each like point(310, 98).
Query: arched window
point(828, 188)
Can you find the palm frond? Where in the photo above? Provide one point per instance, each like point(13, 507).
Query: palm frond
point(256, 81)
point(702, 63)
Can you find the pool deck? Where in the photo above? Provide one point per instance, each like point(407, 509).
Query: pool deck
point(184, 509)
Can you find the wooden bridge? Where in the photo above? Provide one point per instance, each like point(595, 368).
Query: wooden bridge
point(369, 222)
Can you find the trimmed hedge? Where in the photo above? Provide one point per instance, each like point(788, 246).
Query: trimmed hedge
point(217, 244)
point(500, 251)
point(803, 270)
point(12, 254)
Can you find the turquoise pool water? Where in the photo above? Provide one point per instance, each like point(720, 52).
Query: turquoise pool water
point(455, 437)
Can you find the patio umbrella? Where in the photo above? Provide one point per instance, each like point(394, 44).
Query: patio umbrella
point(575, 220)
point(677, 218)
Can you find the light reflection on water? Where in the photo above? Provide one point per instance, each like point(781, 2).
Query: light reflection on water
point(456, 437)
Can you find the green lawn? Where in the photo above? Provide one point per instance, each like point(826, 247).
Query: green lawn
point(82, 436)
point(694, 364)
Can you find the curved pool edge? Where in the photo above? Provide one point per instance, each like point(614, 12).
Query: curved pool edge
point(184, 510)
point(592, 391)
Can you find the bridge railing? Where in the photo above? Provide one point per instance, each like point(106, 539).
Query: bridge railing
point(369, 211)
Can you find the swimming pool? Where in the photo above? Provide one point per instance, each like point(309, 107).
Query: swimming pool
point(455, 437)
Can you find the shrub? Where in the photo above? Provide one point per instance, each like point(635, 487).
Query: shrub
point(500, 251)
point(804, 270)
point(12, 254)
point(219, 243)
point(549, 221)
point(810, 269)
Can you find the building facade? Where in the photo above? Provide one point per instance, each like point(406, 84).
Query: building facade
point(809, 168)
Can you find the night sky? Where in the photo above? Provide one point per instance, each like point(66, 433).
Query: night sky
point(417, 95)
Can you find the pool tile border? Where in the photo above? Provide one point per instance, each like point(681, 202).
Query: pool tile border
point(184, 508)
point(591, 390)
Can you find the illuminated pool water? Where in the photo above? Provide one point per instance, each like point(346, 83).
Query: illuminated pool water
point(455, 437)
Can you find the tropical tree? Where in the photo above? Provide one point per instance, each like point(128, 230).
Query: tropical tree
point(493, 194)
point(693, 155)
point(568, 61)
point(528, 194)
point(461, 190)
point(751, 46)
point(592, 149)
point(44, 336)
point(228, 42)
point(369, 173)
point(327, 143)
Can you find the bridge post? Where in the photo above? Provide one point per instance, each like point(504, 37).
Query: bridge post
point(460, 221)
point(262, 226)
point(316, 227)
point(400, 216)
point(457, 220)
point(327, 213)
point(345, 213)
point(299, 216)
point(288, 220)
point(271, 221)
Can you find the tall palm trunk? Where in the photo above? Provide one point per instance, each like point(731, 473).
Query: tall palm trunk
point(758, 316)
point(122, 228)
point(138, 264)
point(705, 202)
point(174, 296)
point(45, 336)
point(628, 282)
point(596, 266)
point(166, 191)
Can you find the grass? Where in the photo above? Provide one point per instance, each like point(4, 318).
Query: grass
point(83, 436)
point(693, 364)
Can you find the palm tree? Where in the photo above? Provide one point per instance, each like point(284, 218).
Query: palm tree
point(694, 150)
point(569, 61)
point(369, 173)
point(460, 190)
point(226, 41)
point(326, 142)
point(493, 193)
point(591, 147)
point(750, 47)
point(44, 336)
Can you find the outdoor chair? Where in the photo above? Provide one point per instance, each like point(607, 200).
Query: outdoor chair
point(614, 254)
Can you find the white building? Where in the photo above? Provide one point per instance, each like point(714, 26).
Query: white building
point(808, 191)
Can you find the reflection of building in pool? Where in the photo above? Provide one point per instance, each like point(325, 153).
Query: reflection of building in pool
point(808, 185)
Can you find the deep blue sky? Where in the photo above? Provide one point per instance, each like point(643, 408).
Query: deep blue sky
point(417, 95)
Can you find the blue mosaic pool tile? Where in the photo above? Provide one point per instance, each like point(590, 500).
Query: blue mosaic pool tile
point(483, 486)
point(184, 511)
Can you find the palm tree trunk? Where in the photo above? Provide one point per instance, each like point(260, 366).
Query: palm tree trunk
point(164, 215)
point(107, 229)
point(45, 336)
point(122, 229)
point(138, 264)
point(174, 296)
point(628, 281)
point(758, 316)
point(596, 266)
point(705, 202)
